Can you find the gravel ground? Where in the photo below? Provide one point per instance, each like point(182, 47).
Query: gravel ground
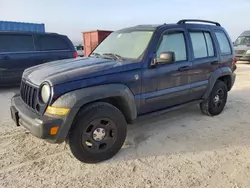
point(179, 149)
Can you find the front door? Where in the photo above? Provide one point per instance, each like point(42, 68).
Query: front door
point(170, 82)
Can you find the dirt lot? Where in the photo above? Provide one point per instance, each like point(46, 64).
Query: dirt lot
point(180, 149)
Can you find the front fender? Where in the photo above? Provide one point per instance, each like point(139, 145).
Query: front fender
point(78, 98)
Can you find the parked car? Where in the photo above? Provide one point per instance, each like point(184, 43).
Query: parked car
point(242, 46)
point(20, 50)
point(80, 50)
point(134, 72)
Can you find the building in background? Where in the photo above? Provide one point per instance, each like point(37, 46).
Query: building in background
point(92, 39)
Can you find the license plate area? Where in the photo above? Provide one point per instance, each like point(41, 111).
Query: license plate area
point(14, 115)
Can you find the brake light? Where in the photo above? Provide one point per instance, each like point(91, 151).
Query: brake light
point(75, 54)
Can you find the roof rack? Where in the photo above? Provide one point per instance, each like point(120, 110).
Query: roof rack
point(196, 20)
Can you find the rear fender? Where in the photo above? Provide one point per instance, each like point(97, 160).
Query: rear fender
point(214, 77)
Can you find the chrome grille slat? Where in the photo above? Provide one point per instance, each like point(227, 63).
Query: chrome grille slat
point(34, 99)
point(29, 94)
point(31, 98)
point(26, 93)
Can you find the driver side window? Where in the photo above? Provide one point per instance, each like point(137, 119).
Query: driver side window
point(173, 42)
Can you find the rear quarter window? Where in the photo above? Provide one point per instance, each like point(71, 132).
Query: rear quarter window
point(16, 43)
point(224, 44)
point(47, 43)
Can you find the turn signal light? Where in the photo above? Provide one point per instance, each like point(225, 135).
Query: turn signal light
point(58, 111)
point(54, 130)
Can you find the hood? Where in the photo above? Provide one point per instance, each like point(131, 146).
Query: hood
point(62, 71)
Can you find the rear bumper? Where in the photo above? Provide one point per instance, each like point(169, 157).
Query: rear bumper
point(39, 126)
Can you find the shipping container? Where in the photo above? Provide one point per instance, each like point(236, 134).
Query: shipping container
point(21, 26)
point(92, 39)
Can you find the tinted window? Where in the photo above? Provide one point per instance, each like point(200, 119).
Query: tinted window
point(210, 46)
point(223, 42)
point(174, 42)
point(199, 44)
point(52, 43)
point(16, 43)
point(202, 44)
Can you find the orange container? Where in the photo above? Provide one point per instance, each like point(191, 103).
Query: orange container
point(92, 39)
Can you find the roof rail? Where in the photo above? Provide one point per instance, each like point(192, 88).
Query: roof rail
point(196, 20)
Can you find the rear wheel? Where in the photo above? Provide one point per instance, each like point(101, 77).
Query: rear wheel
point(216, 102)
point(98, 133)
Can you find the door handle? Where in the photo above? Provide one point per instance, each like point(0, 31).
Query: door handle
point(214, 63)
point(184, 68)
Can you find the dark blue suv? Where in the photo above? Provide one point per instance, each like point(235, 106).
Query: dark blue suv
point(21, 50)
point(134, 72)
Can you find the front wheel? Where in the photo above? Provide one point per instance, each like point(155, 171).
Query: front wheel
point(216, 102)
point(98, 133)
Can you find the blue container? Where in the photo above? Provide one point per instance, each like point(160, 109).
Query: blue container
point(21, 26)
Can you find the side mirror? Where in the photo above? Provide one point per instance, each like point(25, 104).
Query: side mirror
point(165, 58)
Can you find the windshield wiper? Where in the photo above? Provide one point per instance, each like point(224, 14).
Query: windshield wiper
point(116, 56)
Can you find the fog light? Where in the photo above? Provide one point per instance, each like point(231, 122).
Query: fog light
point(58, 111)
point(53, 130)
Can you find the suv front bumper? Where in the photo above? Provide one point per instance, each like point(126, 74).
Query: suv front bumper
point(40, 126)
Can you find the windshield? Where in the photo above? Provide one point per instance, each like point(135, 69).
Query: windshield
point(124, 44)
point(243, 41)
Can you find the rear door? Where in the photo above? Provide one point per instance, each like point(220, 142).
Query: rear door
point(51, 48)
point(16, 54)
point(205, 60)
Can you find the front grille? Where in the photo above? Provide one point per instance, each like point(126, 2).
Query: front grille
point(29, 94)
point(240, 51)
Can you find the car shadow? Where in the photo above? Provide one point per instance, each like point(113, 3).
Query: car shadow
point(187, 130)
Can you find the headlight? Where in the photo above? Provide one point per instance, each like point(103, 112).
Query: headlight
point(45, 93)
point(248, 52)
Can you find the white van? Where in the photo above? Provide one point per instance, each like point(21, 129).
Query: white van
point(242, 47)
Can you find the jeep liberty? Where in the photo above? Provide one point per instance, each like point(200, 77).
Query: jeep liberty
point(134, 72)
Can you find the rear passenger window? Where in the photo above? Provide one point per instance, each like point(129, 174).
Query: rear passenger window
point(202, 44)
point(52, 43)
point(16, 43)
point(210, 46)
point(173, 42)
point(223, 42)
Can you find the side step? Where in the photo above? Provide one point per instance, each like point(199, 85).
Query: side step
point(160, 112)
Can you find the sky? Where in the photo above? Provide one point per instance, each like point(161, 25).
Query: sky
point(72, 17)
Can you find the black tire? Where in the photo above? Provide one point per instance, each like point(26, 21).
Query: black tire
point(212, 106)
point(97, 116)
